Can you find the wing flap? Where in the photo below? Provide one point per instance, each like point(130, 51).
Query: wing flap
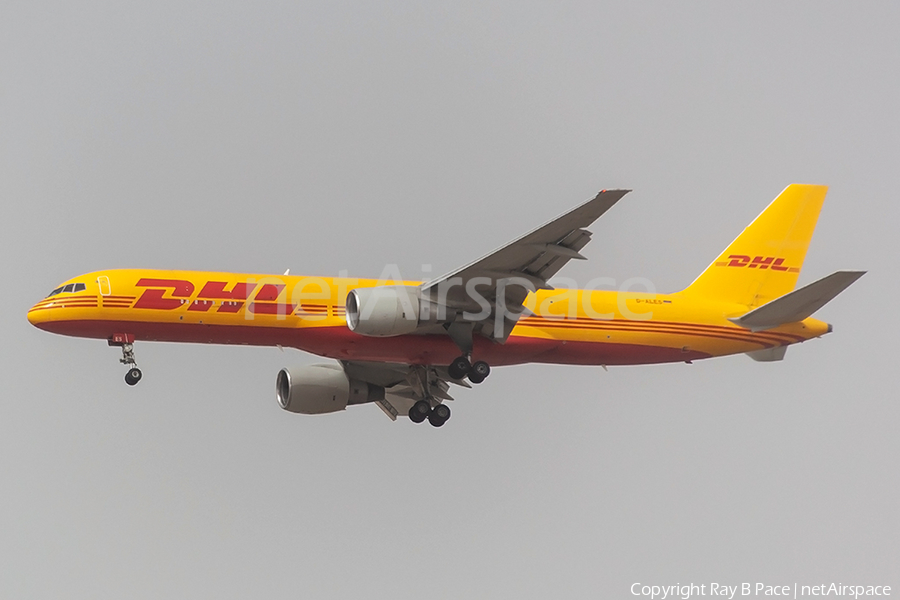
point(768, 354)
point(388, 407)
point(403, 384)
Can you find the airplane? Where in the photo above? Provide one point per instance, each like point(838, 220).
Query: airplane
point(402, 344)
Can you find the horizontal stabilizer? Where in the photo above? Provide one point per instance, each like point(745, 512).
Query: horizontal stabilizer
point(799, 304)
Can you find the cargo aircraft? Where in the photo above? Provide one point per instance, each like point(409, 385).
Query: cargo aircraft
point(402, 344)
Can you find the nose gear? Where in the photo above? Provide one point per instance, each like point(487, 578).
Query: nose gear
point(126, 342)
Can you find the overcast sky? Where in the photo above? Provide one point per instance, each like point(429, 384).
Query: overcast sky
point(329, 136)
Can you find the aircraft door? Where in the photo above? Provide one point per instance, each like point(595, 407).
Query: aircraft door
point(103, 284)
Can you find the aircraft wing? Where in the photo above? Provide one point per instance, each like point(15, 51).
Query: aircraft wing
point(508, 274)
point(403, 384)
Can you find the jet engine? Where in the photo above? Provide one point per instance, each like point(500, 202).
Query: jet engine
point(383, 311)
point(318, 389)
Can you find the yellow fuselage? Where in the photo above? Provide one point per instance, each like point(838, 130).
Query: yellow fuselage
point(564, 326)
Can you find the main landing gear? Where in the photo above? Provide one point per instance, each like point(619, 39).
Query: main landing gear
point(461, 368)
point(126, 342)
point(422, 410)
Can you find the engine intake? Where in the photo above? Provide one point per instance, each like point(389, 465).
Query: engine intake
point(319, 389)
point(383, 311)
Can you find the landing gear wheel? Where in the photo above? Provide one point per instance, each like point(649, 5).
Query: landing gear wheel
point(474, 378)
point(133, 376)
point(419, 411)
point(125, 341)
point(459, 368)
point(481, 370)
point(439, 415)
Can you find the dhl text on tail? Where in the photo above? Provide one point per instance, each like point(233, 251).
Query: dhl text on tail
point(402, 344)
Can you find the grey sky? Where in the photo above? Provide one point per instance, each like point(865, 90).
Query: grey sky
point(332, 136)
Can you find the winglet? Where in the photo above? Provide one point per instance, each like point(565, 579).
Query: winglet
point(799, 304)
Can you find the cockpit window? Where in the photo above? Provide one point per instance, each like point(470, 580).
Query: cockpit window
point(67, 289)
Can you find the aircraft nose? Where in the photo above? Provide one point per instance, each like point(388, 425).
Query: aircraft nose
point(37, 316)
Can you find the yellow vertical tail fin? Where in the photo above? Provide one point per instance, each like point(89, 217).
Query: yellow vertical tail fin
point(763, 263)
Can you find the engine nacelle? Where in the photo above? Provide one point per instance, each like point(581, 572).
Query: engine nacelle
point(319, 389)
point(383, 311)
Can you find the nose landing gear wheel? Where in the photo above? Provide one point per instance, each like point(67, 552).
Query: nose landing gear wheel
point(125, 341)
point(419, 411)
point(133, 376)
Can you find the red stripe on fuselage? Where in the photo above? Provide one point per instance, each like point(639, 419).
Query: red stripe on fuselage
point(742, 335)
point(340, 343)
point(778, 337)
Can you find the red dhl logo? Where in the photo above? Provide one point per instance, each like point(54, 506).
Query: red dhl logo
point(757, 262)
point(169, 294)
